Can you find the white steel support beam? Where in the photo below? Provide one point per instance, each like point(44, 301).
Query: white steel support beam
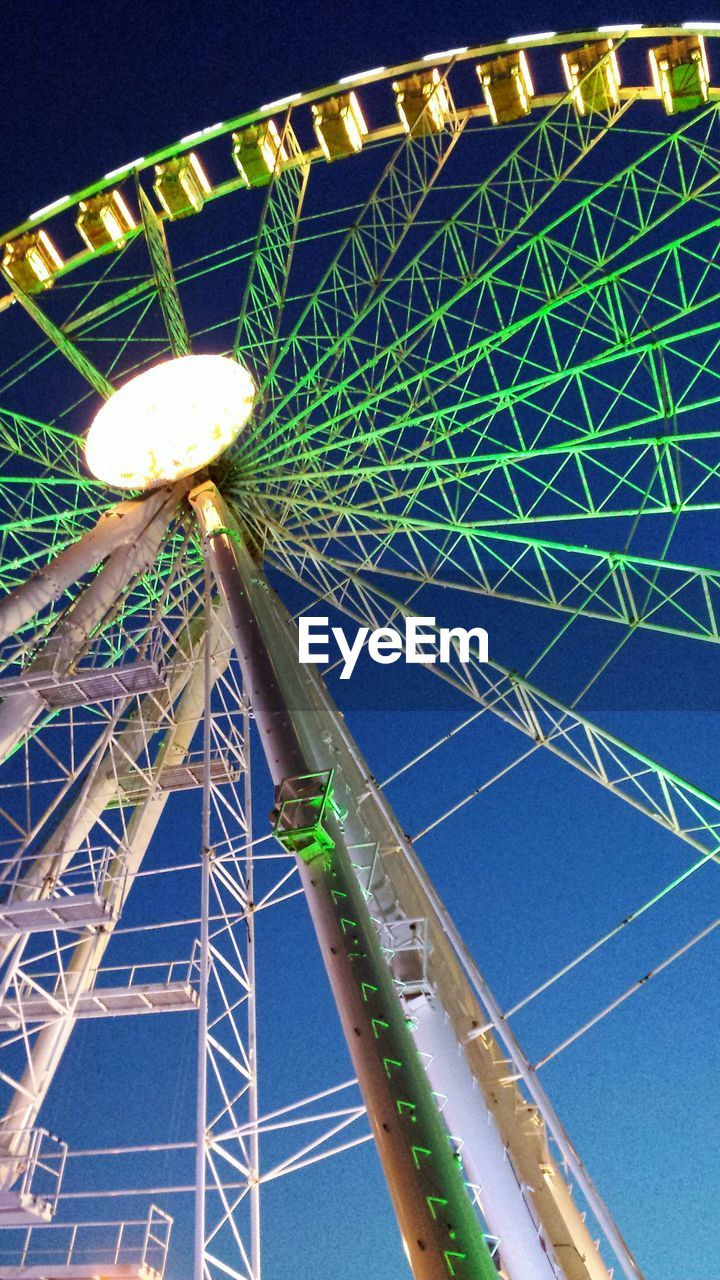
point(100, 787)
point(397, 884)
point(525, 1198)
point(253, 1098)
point(120, 526)
point(72, 633)
point(201, 1118)
point(47, 1049)
point(440, 1229)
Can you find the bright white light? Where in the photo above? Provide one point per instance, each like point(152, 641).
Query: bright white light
point(201, 133)
point(539, 35)
point(701, 26)
point(444, 53)
point(361, 75)
point(169, 421)
point(280, 102)
point(623, 26)
point(40, 213)
point(125, 168)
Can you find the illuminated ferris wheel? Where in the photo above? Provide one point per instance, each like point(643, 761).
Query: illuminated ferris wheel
point(443, 331)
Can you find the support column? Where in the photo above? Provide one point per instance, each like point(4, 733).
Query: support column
point(254, 1084)
point(205, 960)
point(120, 526)
point(503, 1126)
point(440, 1230)
point(72, 633)
point(46, 1050)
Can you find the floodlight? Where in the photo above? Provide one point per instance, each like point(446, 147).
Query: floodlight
point(169, 421)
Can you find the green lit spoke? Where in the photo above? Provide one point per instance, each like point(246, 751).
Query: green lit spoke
point(672, 173)
point(601, 357)
point(685, 810)
point(365, 256)
point(531, 388)
point(611, 479)
point(612, 586)
point(497, 209)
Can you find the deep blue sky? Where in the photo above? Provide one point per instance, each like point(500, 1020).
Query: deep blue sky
point(93, 85)
point(90, 86)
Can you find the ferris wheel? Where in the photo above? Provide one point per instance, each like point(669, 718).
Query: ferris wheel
point(435, 343)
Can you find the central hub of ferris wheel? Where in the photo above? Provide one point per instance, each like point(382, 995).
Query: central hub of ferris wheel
point(169, 421)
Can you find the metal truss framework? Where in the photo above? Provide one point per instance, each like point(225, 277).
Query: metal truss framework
point(482, 333)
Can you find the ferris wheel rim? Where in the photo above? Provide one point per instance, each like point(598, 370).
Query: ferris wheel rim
point(444, 59)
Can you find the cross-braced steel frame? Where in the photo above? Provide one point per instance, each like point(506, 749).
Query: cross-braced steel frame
point(486, 368)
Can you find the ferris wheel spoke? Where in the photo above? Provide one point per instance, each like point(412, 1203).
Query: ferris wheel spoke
point(44, 502)
point(634, 989)
point(166, 288)
point(613, 586)
point(671, 174)
point(44, 443)
point(684, 810)
point(60, 340)
point(365, 254)
point(627, 375)
point(258, 326)
point(33, 531)
point(628, 384)
point(609, 479)
point(497, 208)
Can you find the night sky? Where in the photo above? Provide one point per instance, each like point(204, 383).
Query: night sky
point(90, 86)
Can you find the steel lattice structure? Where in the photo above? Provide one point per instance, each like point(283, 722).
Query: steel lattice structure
point(485, 345)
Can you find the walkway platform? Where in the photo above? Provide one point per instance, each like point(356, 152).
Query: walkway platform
point(72, 911)
point(102, 1002)
point(22, 1209)
point(81, 1271)
point(132, 788)
point(87, 685)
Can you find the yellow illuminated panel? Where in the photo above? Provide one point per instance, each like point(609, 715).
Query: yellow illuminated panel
point(593, 75)
point(423, 102)
point(181, 185)
point(105, 220)
point(339, 126)
point(32, 261)
point(260, 151)
point(681, 74)
point(507, 87)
